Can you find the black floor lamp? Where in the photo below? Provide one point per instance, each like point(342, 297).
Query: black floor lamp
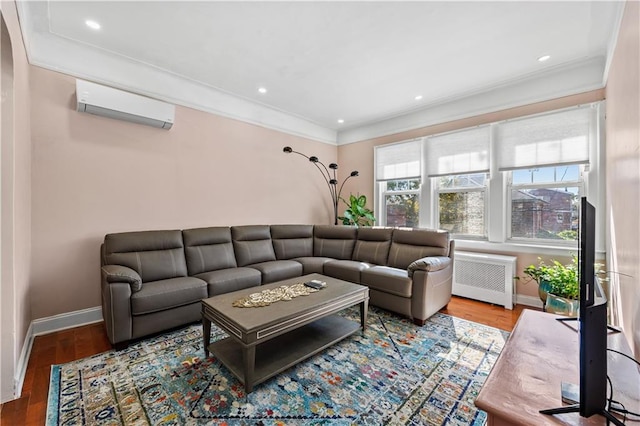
point(332, 182)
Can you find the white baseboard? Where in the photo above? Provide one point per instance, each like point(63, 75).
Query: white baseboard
point(67, 320)
point(529, 301)
point(49, 325)
point(21, 369)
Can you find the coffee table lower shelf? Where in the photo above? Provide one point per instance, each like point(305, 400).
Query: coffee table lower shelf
point(284, 351)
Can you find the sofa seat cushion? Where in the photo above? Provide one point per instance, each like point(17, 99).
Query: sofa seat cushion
point(348, 270)
point(232, 279)
point(388, 280)
point(160, 295)
point(313, 265)
point(277, 270)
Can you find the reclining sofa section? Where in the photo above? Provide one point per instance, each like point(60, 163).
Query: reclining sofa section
point(154, 280)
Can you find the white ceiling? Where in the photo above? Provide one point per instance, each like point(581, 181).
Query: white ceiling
point(363, 62)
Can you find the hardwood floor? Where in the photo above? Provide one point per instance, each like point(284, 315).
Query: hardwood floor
point(484, 313)
point(68, 345)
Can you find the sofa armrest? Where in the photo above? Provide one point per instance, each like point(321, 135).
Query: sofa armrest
point(118, 283)
point(122, 274)
point(429, 264)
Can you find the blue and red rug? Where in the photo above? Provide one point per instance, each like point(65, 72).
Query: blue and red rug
point(397, 373)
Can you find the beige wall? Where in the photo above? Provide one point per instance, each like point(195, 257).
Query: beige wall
point(623, 172)
point(15, 198)
point(94, 175)
point(360, 156)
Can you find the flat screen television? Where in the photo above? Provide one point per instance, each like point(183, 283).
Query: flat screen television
point(592, 327)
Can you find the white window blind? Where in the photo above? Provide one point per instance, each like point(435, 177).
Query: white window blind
point(399, 161)
point(458, 153)
point(549, 140)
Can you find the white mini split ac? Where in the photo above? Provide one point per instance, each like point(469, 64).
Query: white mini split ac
point(113, 103)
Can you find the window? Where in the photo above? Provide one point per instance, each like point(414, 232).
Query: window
point(402, 202)
point(462, 203)
point(458, 163)
point(545, 203)
point(545, 156)
point(515, 181)
point(398, 177)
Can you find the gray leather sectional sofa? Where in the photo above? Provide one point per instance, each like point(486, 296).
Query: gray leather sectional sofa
point(154, 280)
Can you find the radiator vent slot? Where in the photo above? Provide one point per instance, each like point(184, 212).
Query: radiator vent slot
point(485, 277)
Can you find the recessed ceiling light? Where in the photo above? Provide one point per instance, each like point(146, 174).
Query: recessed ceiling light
point(340, 121)
point(92, 24)
point(262, 90)
point(544, 58)
point(417, 98)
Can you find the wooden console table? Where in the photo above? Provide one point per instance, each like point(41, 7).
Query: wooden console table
point(540, 354)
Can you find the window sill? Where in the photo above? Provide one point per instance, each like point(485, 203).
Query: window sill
point(511, 247)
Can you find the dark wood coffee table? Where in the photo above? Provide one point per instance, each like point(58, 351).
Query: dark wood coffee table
point(265, 341)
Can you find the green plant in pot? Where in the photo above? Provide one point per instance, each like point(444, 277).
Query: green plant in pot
point(357, 213)
point(558, 286)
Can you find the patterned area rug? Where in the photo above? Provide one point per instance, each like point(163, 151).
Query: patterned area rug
point(397, 373)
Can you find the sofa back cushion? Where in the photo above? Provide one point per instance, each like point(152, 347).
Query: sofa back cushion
point(208, 249)
point(291, 241)
point(154, 255)
point(334, 241)
point(252, 244)
point(408, 245)
point(372, 245)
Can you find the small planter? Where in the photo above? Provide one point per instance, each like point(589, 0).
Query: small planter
point(556, 279)
point(562, 306)
point(543, 291)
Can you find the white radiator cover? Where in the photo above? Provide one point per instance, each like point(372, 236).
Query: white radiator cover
point(484, 276)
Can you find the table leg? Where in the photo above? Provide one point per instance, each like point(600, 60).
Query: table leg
point(364, 308)
point(249, 355)
point(206, 334)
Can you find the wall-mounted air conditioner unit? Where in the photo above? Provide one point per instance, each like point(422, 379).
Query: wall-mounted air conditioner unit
point(113, 103)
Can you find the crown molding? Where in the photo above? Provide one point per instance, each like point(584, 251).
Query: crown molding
point(613, 41)
point(53, 52)
point(577, 77)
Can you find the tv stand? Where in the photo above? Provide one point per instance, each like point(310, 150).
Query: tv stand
point(569, 319)
point(575, 408)
point(540, 354)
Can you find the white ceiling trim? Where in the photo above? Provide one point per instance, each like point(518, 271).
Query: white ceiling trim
point(51, 52)
point(613, 41)
point(576, 78)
